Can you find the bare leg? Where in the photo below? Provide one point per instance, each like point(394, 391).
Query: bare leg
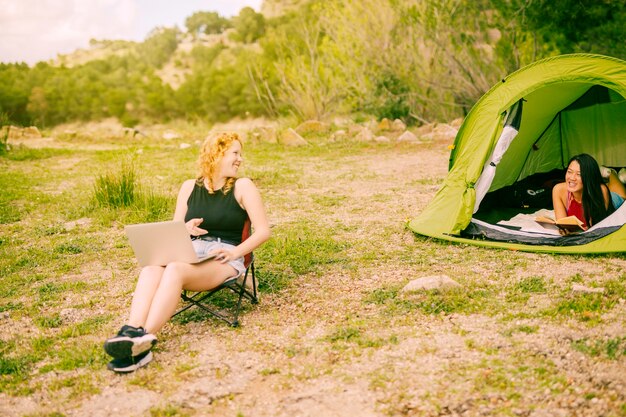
point(616, 185)
point(147, 285)
point(177, 276)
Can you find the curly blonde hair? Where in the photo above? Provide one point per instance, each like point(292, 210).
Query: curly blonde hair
point(211, 154)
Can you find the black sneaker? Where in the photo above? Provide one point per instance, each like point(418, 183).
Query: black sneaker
point(125, 365)
point(130, 341)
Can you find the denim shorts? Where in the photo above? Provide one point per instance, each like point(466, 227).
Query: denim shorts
point(205, 245)
point(617, 200)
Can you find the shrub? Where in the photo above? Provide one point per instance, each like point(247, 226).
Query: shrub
point(4, 133)
point(116, 189)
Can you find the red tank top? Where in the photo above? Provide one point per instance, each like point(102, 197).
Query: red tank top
point(574, 208)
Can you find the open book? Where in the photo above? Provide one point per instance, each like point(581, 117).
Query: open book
point(569, 223)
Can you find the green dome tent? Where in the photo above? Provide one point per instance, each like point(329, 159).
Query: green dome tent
point(525, 129)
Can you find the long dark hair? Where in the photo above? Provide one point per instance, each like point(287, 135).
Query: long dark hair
point(593, 198)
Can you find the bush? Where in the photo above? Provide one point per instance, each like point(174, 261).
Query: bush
point(116, 189)
point(4, 133)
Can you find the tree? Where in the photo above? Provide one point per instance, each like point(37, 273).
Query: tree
point(157, 49)
point(206, 22)
point(249, 25)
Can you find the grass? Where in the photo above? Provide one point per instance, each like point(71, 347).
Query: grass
point(332, 312)
point(613, 348)
point(116, 189)
point(477, 300)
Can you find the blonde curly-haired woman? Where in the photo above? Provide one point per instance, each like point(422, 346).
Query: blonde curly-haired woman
point(214, 207)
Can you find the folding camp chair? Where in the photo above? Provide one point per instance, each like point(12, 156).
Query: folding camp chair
point(235, 284)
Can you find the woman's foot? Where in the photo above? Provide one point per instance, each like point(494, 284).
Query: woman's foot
point(131, 364)
point(130, 342)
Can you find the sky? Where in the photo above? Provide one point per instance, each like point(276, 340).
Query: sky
point(38, 30)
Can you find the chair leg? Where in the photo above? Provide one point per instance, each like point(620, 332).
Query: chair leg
point(240, 289)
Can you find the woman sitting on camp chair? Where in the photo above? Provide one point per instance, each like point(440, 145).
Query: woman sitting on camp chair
point(215, 207)
point(584, 194)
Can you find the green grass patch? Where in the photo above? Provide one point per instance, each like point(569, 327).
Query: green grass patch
point(587, 307)
point(350, 335)
point(116, 189)
point(91, 325)
point(297, 249)
point(25, 154)
point(521, 329)
point(613, 348)
point(531, 285)
point(169, 411)
point(453, 300)
point(79, 385)
point(75, 354)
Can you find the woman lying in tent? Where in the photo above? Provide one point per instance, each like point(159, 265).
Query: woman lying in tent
point(584, 194)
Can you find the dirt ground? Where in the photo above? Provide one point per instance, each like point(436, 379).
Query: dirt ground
point(280, 363)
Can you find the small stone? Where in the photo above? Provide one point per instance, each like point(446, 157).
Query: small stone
point(398, 125)
point(384, 124)
point(431, 283)
point(291, 138)
point(407, 136)
point(365, 135)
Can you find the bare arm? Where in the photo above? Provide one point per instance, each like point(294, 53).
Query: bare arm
point(559, 200)
point(249, 197)
point(607, 196)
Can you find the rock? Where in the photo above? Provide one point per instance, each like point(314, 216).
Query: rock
point(266, 134)
point(407, 136)
point(424, 130)
point(31, 132)
point(434, 282)
point(398, 125)
point(354, 129)
point(291, 138)
point(11, 132)
point(311, 126)
point(444, 133)
point(170, 134)
point(384, 124)
point(494, 35)
point(381, 139)
point(371, 125)
point(184, 146)
point(365, 135)
point(587, 290)
point(456, 123)
point(338, 135)
point(342, 121)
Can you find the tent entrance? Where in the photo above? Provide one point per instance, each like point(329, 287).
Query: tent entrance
point(529, 158)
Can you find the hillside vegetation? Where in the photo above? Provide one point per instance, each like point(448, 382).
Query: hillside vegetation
point(414, 60)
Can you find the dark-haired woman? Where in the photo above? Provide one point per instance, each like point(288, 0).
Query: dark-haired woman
point(584, 194)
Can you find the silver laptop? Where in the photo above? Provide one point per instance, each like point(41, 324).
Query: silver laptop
point(161, 243)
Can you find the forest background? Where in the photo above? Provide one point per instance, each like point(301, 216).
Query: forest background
point(419, 61)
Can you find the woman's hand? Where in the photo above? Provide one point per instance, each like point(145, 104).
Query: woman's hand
point(224, 255)
point(193, 229)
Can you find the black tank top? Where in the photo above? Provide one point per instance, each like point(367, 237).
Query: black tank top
point(222, 215)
